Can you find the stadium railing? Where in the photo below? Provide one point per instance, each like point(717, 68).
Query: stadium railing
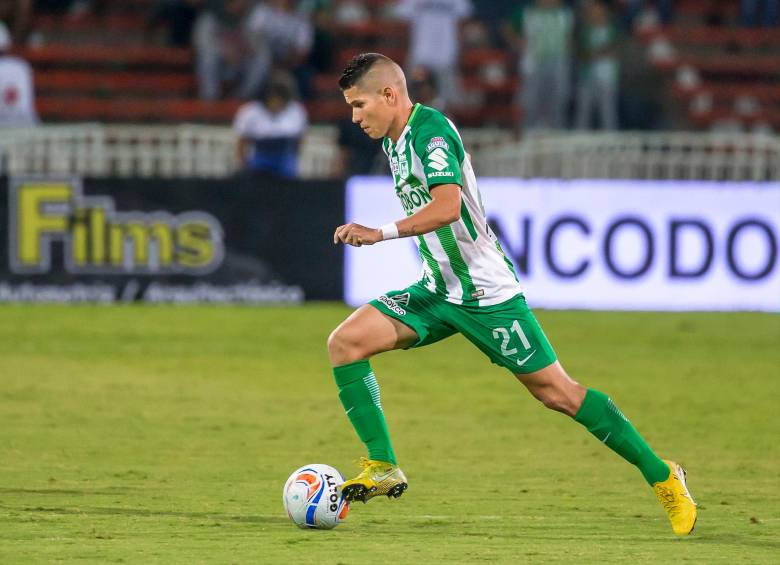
point(106, 150)
point(636, 155)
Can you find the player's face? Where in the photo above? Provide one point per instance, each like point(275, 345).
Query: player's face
point(370, 111)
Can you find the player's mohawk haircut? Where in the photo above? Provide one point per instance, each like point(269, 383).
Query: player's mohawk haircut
point(357, 67)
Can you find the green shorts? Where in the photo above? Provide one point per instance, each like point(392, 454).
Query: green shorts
point(507, 333)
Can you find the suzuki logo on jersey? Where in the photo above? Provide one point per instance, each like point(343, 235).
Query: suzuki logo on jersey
point(96, 238)
point(437, 159)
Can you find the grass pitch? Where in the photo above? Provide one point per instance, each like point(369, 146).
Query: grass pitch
point(163, 434)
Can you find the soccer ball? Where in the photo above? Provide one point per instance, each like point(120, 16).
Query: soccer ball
point(310, 497)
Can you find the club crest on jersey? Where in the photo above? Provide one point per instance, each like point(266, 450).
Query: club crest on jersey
point(394, 165)
point(436, 142)
point(399, 166)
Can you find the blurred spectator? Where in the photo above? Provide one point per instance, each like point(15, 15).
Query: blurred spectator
point(423, 88)
point(597, 72)
point(270, 128)
point(543, 31)
point(492, 13)
point(228, 52)
point(17, 15)
point(16, 86)
point(759, 13)
point(288, 36)
point(630, 10)
point(178, 17)
point(435, 39)
point(347, 12)
point(643, 102)
point(322, 53)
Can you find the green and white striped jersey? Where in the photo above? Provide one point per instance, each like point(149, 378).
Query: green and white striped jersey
point(462, 262)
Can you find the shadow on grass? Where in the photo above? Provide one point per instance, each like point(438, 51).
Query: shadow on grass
point(141, 512)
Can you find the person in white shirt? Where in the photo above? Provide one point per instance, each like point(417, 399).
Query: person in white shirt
point(288, 36)
point(270, 129)
point(435, 39)
point(16, 86)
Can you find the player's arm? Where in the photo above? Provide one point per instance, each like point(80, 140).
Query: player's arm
point(442, 210)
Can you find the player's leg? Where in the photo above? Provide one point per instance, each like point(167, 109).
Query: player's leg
point(363, 334)
point(511, 337)
point(366, 332)
point(399, 319)
point(598, 413)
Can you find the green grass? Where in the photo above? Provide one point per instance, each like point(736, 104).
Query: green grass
point(163, 434)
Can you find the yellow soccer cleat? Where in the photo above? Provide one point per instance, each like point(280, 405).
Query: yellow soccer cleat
point(376, 478)
point(677, 501)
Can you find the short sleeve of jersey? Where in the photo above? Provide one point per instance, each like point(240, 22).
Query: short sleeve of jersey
point(441, 152)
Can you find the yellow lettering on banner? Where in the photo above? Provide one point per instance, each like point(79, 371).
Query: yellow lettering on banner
point(162, 233)
point(116, 238)
point(195, 244)
point(139, 235)
point(32, 221)
point(79, 241)
point(98, 239)
point(97, 232)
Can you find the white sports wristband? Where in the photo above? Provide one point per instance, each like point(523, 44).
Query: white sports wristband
point(389, 231)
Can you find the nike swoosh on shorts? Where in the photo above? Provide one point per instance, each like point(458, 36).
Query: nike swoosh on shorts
point(521, 363)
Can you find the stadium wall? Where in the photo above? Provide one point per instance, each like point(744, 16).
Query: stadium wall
point(246, 240)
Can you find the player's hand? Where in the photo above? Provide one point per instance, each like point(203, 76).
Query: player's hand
point(356, 235)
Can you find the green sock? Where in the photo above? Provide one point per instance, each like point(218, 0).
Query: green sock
point(359, 394)
point(605, 421)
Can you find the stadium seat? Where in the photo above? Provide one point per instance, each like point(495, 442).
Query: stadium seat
point(116, 83)
point(107, 55)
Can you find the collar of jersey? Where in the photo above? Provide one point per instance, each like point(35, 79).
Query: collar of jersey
point(416, 107)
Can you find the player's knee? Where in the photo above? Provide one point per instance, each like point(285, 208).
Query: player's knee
point(344, 346)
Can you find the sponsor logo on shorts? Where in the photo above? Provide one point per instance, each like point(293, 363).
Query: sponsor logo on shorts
point(401, 298)
point(436, 142)
point(392, 305)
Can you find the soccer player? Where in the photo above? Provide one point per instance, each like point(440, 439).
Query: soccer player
point(467, 285)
